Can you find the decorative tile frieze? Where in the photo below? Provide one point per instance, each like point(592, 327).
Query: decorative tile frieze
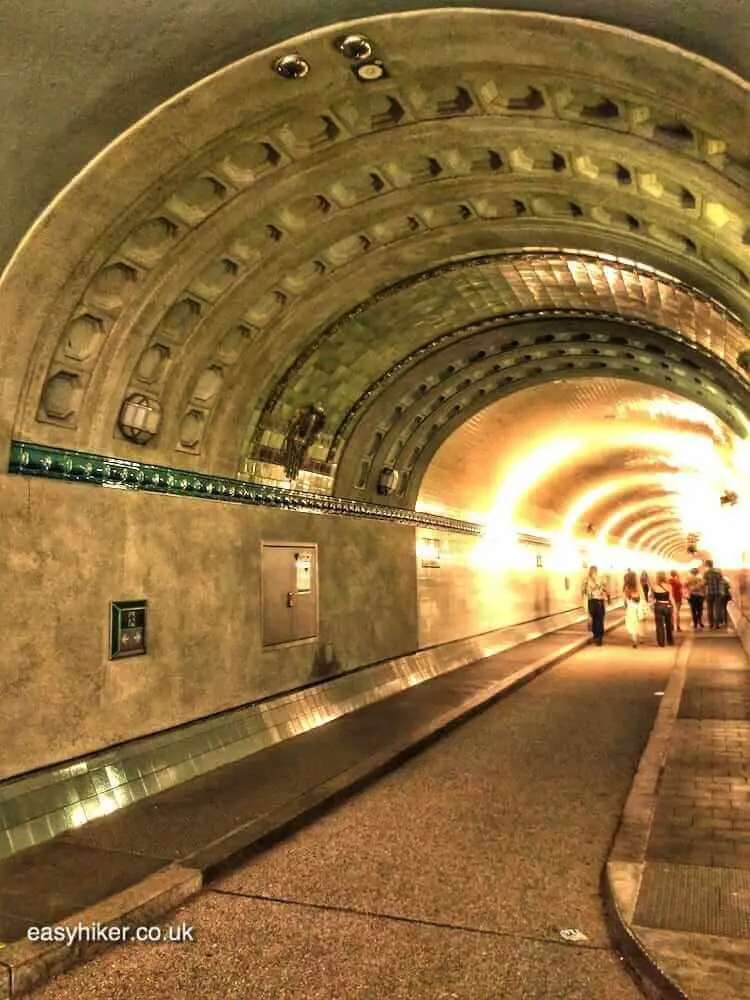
point(30, 459)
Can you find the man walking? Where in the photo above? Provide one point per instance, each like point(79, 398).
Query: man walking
point(696, 588)
point(714, 604)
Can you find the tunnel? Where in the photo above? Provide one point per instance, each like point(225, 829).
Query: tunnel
point(339, 343)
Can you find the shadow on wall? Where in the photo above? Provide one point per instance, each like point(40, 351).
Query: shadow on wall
point(325, 663)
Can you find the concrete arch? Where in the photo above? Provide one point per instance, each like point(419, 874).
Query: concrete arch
point(209, 265)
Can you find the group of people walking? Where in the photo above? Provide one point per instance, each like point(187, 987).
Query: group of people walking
point(708, 589)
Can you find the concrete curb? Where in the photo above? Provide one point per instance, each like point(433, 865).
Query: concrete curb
point(25, 965)
point(621, 876)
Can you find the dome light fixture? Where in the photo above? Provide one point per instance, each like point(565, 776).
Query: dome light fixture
point(354, 47)
point(292, 66)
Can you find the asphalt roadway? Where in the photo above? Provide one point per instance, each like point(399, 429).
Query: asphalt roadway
point(451, 877)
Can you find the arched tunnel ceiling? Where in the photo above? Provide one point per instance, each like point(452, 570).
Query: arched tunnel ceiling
point(545, 199)
point(614, 453)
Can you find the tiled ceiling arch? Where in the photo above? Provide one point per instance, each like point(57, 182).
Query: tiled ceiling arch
point(625, 489)
point(401, 420)
point(599, 457)
point(259, 242)
point(646, 512)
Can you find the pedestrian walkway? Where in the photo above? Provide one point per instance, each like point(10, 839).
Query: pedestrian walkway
point(680, 868)
point(140, 862)
point(471, 872)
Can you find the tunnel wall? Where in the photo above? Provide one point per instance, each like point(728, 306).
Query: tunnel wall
point(740, 607)
point(474, 589)
point(71, 549)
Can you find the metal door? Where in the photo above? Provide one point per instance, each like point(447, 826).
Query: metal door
point(290, 592)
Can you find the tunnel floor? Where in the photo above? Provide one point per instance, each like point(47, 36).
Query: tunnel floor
point(451, 877)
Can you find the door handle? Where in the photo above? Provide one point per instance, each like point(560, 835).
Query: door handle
point(290, 599)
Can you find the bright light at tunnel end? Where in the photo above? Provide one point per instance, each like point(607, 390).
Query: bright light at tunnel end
point(698, 459)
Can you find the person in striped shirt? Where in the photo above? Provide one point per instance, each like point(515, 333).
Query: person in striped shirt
point(595, 593)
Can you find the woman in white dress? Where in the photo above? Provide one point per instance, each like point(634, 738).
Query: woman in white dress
point(634, 608)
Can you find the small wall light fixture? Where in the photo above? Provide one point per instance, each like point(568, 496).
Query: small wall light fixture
point(139, 418)
point(387, 481)
point(369, 72)
point(728, 498)
point(291, 66)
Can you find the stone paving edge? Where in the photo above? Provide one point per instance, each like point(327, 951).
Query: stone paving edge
point(622, 874)
point(25, 965)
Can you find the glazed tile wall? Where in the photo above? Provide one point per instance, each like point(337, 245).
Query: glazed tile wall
point(36, 808)
point(136, 726)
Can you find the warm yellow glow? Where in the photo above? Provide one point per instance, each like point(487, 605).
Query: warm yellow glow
point(428, 550)
point(432, 508)
point(670, 538)
point(592, 496)
point(660, 532)
point(682, 410)
point(667, 446)
point(628, 510)
point(634, 529)
point(525, 474)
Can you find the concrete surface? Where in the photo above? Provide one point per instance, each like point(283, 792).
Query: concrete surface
point(455, 876)
point(444, 878)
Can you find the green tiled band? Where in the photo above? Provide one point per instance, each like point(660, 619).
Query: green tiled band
point(36, 807)
point(81, 467)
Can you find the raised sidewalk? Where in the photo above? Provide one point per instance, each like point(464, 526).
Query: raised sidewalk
point(677, 882)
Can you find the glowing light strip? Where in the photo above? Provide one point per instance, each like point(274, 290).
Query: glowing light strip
point(661, 518)
point(672, 549)
point(629, 509)
point(659, 532)
point(615, 485)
